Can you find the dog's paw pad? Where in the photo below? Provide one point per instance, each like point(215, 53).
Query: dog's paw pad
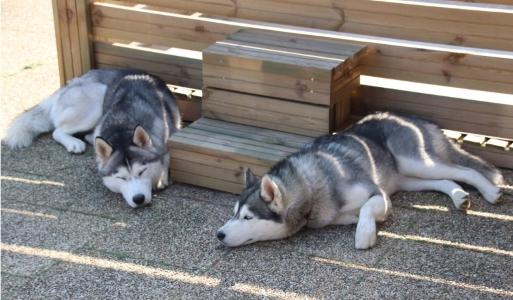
point(365, 236)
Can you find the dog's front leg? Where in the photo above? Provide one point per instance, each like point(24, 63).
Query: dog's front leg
point(375, 209)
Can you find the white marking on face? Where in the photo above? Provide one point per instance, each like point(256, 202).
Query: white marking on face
point(136, 182)
point(247, 228)
point(236, 208)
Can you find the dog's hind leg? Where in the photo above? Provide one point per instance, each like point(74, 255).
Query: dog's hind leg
point(437, 170)
point(79, 109)
point(448, 187)
point(375, 209)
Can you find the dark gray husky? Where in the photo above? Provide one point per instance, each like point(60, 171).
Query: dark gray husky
point(347, 179)
point(132, 114)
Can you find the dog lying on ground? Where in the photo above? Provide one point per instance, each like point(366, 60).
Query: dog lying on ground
point(347, 178)
point(132, 114)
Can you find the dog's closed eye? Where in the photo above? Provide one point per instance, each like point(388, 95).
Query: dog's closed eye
point(142, 171)
point(247, 218)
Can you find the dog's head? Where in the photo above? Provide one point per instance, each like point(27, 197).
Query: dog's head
point(131, 166)
point(257, 214)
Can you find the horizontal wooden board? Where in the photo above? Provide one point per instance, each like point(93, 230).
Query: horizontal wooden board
point(461, 65)
point(430, 23)
point(204, 181)
point(500, 158)
point(271, 113)
point(217, 7)
point(443, 21)
point(486, 118)
point(218, 162)
point(172, 66)
point(254, 133)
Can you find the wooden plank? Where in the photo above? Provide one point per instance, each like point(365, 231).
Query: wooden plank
point(109, 35)
point(443, 55)
point(427, 35)
point(67, 58)
point(290, 62)
point(262, 151)
point(257, 119)
point(239, 141)
point(84, 30)
point(499, 158)
point(289, 13)
point(59, 40)
point(271, 113)
point(476, 13)
point(214, 161)
point(218, 149)
point(414, 22)
point(250, 132)
point(236, 73)
point(304, 44)
point(233, 176)
point(71, 11)
point(438, 21)
point(300, 110)
point(216, 7)
point(492, 119)
point(208, 182)
point(169, 73)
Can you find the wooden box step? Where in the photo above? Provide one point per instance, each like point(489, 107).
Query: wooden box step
point(272, 113)
point(213, 153)
point(280, 66)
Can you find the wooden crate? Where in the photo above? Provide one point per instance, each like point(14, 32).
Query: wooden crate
point(279, 66)
point(213, 153)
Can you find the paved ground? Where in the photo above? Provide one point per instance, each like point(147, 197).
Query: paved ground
point(65, 236)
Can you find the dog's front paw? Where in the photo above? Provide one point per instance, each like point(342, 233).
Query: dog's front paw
point(75, 146)
point(365, 236)
point(460, 199)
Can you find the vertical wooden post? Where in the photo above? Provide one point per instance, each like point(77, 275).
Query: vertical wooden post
point(72, 32)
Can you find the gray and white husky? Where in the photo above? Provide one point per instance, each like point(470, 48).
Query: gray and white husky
point(132, 114)
point(347, 178)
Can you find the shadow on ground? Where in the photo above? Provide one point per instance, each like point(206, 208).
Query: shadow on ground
point(66, 236)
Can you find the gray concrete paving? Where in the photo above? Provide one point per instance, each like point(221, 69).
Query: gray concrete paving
point(66, 236)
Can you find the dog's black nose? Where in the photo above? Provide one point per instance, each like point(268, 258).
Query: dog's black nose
point(138, 199)
point(220, 235)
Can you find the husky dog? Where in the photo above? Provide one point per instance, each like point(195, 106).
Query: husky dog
point(132, 114)
point(347, 178)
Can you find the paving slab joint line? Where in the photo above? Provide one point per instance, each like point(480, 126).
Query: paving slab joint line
point(214, 263)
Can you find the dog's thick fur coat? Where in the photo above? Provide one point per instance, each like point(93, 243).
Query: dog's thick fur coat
point(347, 178)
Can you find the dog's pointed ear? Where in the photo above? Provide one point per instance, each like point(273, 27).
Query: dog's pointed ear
point(141, 137)
point(103, 149)
point(270, 192)
point(249, 178)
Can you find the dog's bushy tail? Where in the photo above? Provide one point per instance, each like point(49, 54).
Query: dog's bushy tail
point(465, 159)
point(30, 124)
